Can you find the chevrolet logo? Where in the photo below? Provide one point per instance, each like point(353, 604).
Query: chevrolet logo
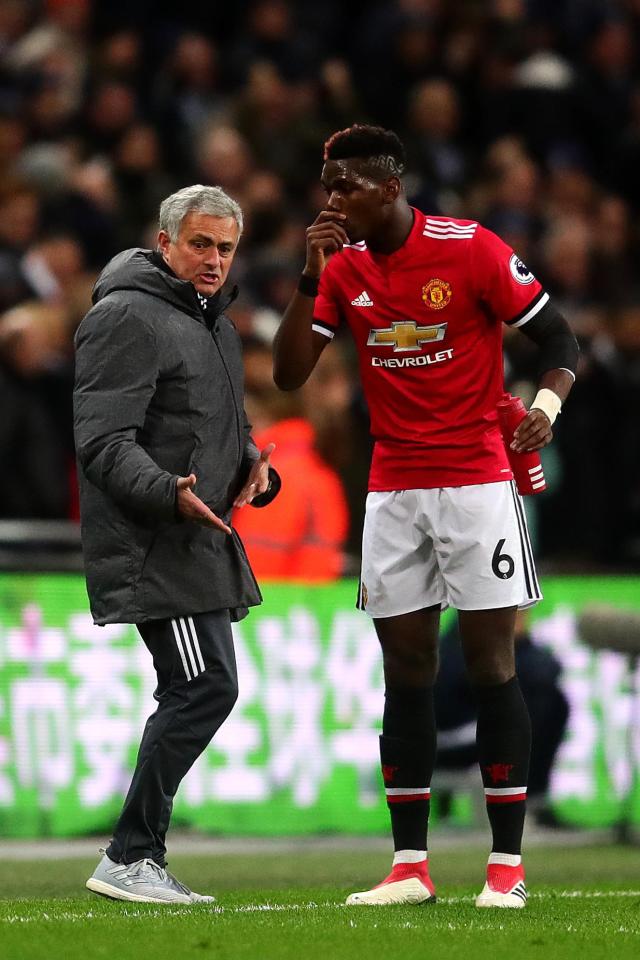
point(406, 335)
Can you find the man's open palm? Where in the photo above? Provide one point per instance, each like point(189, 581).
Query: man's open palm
point(258, 479)
point(192, 508)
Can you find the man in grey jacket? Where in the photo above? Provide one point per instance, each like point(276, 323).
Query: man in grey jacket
point(165, 452)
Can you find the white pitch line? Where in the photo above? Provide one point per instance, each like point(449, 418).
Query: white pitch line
point(590, 894)
point(295, 907)
point(564, 894)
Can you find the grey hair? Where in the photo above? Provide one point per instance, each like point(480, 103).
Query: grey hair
point(196, 199)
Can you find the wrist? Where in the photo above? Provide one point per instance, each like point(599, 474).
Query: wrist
point(547, 401)
point(271, 492)
point(308, 285)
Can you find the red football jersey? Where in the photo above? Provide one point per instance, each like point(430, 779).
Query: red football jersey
point(427, 323)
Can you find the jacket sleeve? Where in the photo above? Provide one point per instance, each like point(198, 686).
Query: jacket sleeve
point(250, 451)
point(117, 366)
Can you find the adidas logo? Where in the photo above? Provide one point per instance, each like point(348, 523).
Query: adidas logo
point(520, 891)
point(362, 301)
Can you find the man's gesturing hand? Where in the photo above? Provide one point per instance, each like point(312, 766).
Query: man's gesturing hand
point(325, 236)
point(192, 508)
point(532, 433)
point(258, 479)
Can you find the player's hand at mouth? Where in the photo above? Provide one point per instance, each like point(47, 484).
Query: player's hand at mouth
point(326, 235)
point(337, 217)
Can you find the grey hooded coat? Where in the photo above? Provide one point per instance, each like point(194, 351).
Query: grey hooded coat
point(158, 395)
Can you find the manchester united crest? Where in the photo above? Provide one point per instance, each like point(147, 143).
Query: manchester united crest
point(436, 294)
point(499, 771)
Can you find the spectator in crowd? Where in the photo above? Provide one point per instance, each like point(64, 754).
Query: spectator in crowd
point(433, 146)
point(34, 363)
point(187, 98)
point(302, 536)
point(19, 220)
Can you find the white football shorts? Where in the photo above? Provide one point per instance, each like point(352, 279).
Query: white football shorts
point(465, 547)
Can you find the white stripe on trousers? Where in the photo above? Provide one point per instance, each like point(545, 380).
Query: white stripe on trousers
point(184, 631)
point(196, 643)
point(180, 649)
point(187, 642)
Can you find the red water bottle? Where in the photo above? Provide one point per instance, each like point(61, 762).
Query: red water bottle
point(526, 467)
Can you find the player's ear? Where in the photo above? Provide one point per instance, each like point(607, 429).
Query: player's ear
point(391, 189)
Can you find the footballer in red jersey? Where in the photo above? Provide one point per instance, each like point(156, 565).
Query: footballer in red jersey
point(427, 323)
point(425, 298)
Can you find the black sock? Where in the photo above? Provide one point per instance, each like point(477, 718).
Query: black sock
point(504, 747)
point(407, 752)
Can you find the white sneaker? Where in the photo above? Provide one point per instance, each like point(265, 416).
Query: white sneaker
point(144, 881)
point(408, 883)
point(504, 887)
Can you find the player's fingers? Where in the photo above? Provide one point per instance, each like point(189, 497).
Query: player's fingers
point(329, 245)
point(541, 440)
point(323, 244)
point(539, 427)
point(328, 227)
point(327, 231)
point(330, 215)
point(533, 440)
point(532, 429)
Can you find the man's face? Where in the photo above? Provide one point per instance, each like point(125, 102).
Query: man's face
point(203, 251)
point(353, 190)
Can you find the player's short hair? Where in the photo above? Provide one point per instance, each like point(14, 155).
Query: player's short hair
point(196, 199)
point(381, 148)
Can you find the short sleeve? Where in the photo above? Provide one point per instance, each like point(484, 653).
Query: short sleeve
point(505, 284)
point(326, 312)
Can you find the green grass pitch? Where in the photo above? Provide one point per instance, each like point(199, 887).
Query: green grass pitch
point(584, 903)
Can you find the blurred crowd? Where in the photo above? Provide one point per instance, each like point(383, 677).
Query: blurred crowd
point(524, 114)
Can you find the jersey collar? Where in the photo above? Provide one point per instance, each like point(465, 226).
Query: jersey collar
point(415, 235)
